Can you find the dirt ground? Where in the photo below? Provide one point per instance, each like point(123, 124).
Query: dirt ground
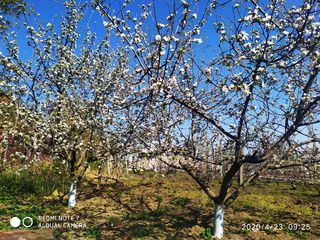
point(27, 235)
point(150, 206)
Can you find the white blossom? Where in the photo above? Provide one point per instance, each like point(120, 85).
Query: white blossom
point(105, 24)
point(224, 89)
point(181, 70)
point(197, 40)
point(158, 38)
point(246, 89)
point(166, 38)
point(175, 39)
point(160, 25)
point(208, 71)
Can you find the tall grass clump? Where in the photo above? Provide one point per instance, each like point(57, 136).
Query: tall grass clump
point(40, 183)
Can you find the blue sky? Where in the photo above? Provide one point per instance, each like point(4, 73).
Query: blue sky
point(53, 10)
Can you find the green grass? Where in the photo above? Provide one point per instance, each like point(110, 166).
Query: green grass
point(114, 221)
point(139, 231)
point(22, 195)
point(206, 233)
point(276, 199)
point(181, 201)
point(57, 233)
point(296, 234)
point(93, 232)
point(38, 184)
point(148, 215)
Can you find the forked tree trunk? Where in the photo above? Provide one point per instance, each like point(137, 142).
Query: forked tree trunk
point(218, 221)
point(72, 195)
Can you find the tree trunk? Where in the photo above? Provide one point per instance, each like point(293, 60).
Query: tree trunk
point(72, 164)
point(72, 195)
point(241, 175)
point(127, 167)
point(241, 170)
point(218, 221)
point(109, 167)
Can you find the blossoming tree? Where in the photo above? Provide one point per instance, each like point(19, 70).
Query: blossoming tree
point(258, 90)
point(67, 97)
point(180, 84)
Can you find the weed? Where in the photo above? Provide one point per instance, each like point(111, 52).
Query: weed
point(159, 199)
point(181, 201)
point(296, 233)
point(206, 234)
point(143, 215)
point(139, 231)
point(94, 232)
point(113, 221)
point(57, 234)
point(160, 212)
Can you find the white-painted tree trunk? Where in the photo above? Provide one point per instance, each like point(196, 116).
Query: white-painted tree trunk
point(218, 222)
point(72, 195)
point(241, 175)
point(109, 167)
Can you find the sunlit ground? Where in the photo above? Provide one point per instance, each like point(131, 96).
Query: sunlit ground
point(150, 206)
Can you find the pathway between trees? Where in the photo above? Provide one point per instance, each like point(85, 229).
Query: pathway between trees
point(27, 235)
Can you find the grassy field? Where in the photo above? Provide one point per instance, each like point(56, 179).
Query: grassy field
point(150, 206)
